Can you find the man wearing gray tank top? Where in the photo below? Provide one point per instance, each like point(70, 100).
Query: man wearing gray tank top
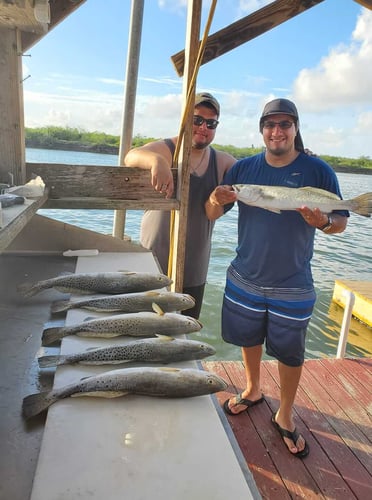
point(207, 169)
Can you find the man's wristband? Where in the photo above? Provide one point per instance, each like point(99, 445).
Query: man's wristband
point(327, 225)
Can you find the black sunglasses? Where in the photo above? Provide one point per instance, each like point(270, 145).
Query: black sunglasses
point(284, 124)
point(210, 122)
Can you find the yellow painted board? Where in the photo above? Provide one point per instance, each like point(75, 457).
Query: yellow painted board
point(362, 291)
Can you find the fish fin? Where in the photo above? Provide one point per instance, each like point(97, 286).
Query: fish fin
point(101, 335)
point(89, 318)
point(362, 204)
point(275, 210)
point(60, 306)
point(152, 293)
point(320, 191)
point(164, 338)
point(156, 308)
point(51, 335)
point(36, 403)
point(101, 394)
point(27, 289)
point(125, 271)
point(169, 369)
point(48, 361)
point(70, 289)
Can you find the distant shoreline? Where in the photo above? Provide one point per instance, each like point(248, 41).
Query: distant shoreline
point(113, 150)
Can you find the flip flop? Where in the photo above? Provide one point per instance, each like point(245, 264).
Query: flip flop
point(290, 435)
point(241, 401)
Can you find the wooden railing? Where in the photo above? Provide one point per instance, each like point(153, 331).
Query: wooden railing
point(99, 187)
point(85, 187)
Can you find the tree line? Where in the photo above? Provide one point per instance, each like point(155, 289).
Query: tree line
point(53, 137)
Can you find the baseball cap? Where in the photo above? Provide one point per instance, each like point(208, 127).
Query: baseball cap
point(283, 107)
point(280, 107)
point(203, 97)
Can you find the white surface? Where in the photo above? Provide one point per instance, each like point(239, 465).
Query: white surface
point(133, 447)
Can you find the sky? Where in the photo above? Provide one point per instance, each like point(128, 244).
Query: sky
point(321, 59)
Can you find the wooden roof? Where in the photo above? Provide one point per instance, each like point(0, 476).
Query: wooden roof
point(35, 18)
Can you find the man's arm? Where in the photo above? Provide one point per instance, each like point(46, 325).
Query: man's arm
point(333, 223)
point(154, 156)
point(221, 196)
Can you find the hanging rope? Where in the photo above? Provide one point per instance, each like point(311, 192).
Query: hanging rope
point(186, 111)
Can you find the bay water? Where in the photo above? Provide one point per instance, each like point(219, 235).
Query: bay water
point(346, 256)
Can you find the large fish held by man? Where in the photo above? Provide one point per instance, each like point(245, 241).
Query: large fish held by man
point(128, 302)
point(278, 198)
point(158, 382)
point(90, 283)
point(163, 349)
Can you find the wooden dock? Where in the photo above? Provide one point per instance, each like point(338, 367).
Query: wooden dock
point(333, 412)
point(362, 291)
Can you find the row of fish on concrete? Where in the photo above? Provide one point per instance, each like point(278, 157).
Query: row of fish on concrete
point(140, 309)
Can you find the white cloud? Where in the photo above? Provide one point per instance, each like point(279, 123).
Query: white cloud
point(343, 77)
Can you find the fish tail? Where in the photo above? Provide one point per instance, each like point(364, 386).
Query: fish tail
point(28, 289)
point(36, 403)
point(53, 360)
point(362, 204)
point(61, 306)
point(53, 334)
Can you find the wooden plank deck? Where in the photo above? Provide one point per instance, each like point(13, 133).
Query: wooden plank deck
point(333, 412)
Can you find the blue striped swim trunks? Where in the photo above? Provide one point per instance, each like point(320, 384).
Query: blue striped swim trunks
point(253, 315)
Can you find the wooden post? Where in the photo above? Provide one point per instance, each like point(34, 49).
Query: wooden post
point(12, 143)
point(191, 51)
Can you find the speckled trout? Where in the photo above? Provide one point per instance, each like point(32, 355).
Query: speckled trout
point(129, 302)
point(163, 349)
point(278, 198)
point(141, 324)
point(90, 283)
point(159, 382)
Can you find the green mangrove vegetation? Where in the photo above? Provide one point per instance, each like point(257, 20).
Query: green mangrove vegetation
point(75, 139)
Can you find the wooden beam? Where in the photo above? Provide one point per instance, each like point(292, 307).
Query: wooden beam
point(180, 217)
point(97, 182)
point(366, 3)
point(12, 147)
point(102, 203)
point(59, 10)
point(246, 29)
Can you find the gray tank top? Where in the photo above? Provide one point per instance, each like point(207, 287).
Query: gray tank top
point(155, 227)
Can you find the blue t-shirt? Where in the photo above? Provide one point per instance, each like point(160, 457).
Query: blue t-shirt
point(275, 250)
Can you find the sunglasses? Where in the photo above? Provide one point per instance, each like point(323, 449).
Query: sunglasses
point(284, 124)
point(210, 122)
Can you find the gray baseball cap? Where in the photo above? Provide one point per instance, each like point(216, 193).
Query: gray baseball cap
point(204, 97)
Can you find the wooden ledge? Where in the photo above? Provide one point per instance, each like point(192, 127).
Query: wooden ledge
point(111, 204)
point(16, 217)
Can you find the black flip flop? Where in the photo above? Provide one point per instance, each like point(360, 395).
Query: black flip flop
point(290, 435)
point(241, 401)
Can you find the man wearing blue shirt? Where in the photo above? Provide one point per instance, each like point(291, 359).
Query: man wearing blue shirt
point(269, 295)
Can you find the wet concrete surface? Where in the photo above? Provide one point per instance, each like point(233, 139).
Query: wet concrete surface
point(21, 324)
